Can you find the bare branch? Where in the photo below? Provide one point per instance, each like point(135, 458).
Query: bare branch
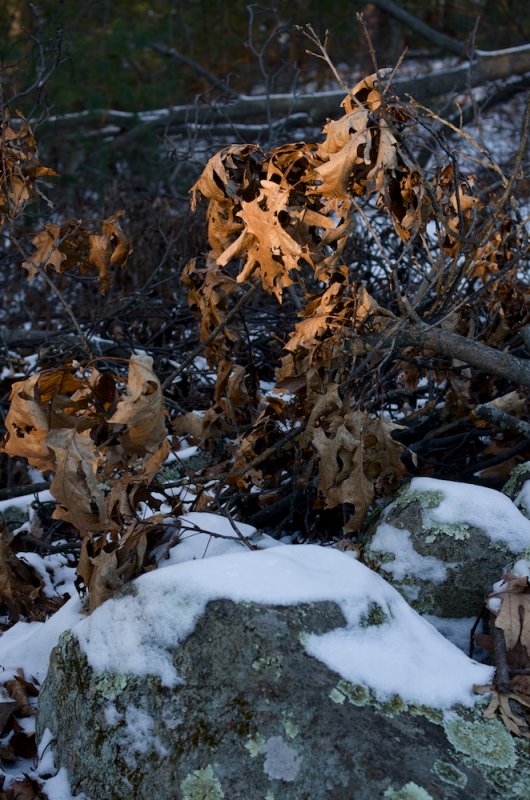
point(487, 66)
point(171, 52)
point(416, 25)
point(480, 356)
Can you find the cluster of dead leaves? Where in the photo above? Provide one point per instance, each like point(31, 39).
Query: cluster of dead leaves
point(509, 607)
point(104, 440)
point(16, 706)
point(292, 207)
point(87, 245)
point(82, 244)
point(20, 167)
point(21, 587)
point(280, 220)
point(281, 215)
point(358, 459)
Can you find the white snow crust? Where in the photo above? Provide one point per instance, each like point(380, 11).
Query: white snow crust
point(484, 508)
point(137, 633)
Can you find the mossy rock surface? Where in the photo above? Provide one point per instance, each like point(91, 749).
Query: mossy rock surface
point(444, 569)
point(257, 718)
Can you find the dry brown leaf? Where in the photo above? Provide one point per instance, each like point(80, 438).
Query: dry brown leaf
point(21, 690)
point(106, 570)
point(19, 165)
point(122, 500)
point(265, 244)
point(217, 179)
point(20, 585)
point(357, 456)
point(75, 486)
point(47, 253)
point(141, 410)
point(190, 425)
point(27, 426)
point(386, 160)
point(108, 249)
point(514, 615)
point(26, 788)
point(75, 244)
point(514, 722)
point(335, 174)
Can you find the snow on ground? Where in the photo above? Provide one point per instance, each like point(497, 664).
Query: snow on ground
point(404, 655)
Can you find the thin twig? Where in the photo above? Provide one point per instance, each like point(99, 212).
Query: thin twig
point(502, 676)
point(216, 331)
point(22, 491)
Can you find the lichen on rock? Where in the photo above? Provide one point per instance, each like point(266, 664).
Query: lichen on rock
point(410, 791)
point(443, 553)
point(485, 741)
point(202, 784)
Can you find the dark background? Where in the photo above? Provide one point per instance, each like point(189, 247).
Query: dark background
point(108, 61)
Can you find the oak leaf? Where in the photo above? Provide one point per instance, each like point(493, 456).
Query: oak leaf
point(27, 425)
point(75, 486)
point(265, 244)
point(140, 409)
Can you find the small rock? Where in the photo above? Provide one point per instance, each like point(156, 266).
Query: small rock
point(443, 544)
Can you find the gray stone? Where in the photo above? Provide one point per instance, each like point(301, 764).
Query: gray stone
point(446, 568)
point(256, 718)
point(517, 487)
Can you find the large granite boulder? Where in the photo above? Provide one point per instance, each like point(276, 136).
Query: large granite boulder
point(281, 700)
point(443, 544)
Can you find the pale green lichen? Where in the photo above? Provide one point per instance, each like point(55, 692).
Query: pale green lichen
point(269, 795)
point(395, 705)
point(65, 639)
point(336, 696)
point(202, 784)
point(268, 663)
point(487, 742)
point(450, 774)
point(380, 557)
point(254, 745)
point(170, 472)
point(109, 685)
point(355, 693)
point(510, 486)
point(434, 715)
point(303, 638)
point(425, 499)
point(458, 531)
point(290, 727)
point(375, 615)
point(521, 505)
point(411, 791)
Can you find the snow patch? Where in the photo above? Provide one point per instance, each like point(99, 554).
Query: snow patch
point(407, 561)
point(405, 655)
point(483, 508)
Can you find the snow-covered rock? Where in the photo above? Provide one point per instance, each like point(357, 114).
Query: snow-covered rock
point(282, 674)
point(443, 544)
